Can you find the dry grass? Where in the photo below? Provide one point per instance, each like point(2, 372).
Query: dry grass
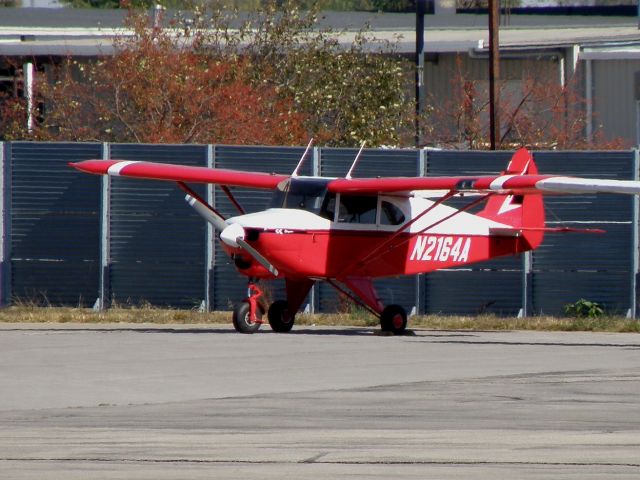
point(28, 314)
point(38, 314)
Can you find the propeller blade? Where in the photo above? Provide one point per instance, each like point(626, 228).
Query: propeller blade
point(233, 236)
point(258, 256)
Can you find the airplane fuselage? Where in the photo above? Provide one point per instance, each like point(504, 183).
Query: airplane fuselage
point(313, 233)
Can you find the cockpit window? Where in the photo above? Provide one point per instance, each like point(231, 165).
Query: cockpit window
point(301, 193)
point(358, 209)
point(390, 214)
point(328, 209)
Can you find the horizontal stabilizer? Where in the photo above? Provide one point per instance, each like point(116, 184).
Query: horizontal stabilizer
point(518, 231)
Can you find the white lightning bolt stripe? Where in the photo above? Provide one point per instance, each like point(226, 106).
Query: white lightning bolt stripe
point(116, 168)
point(508, 205)
point(499, 182)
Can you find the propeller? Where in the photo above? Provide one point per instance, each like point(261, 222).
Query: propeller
point(233, 235)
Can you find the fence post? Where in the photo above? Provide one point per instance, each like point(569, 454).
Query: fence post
point(527, 286)
point(423, 166)
point(105, 234)
point(313, 293)
point(3, 221)
point(635, 244)
point(6, 172)
point(420, 278)
point(209, 260)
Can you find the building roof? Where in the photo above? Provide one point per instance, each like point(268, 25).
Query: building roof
point(89, 32)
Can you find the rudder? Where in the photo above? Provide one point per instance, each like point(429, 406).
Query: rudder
point(520, 211)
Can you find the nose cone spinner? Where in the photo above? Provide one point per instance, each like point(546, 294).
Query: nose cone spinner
point(231, 234)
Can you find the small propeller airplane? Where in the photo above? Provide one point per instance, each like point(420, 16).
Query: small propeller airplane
point(349, 231)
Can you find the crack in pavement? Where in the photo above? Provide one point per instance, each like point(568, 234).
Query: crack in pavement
point(314, 460)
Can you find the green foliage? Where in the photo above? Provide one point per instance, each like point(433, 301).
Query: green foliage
point(394, 5)
point(584, 309)
point(249, 5)
point(107, 4)
point(348, 92)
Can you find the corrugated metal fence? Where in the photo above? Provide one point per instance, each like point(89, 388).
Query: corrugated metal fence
point(74, 239)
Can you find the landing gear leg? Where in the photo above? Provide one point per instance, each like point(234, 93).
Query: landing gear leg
point(247, 316)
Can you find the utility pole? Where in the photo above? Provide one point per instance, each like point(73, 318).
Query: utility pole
point(421, 9)
point(28, 74)
point(494, 73)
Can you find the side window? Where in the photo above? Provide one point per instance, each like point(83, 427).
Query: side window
point(390, 214)
point(328, 209)
point(358, 209)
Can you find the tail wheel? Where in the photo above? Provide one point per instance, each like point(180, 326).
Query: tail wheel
point(242, 318)
point(281, 318)
point(393, 319)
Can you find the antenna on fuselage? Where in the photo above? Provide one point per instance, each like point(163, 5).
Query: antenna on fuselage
point(355, 160)
point(295, 172)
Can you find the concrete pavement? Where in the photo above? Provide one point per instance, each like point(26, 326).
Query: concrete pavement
point(131, 401)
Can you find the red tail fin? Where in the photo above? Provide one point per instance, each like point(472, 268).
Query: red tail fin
point(519, 211)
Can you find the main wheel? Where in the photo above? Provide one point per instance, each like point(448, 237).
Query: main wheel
point(281, 318)
point(393, 319)
point(241, 321)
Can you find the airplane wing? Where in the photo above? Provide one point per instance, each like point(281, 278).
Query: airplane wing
point(509, 183)
point(179, 173)
point(512, 184)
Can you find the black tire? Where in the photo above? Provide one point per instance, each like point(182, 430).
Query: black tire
point(241, 320)
point(280, 318)
point(393, 319)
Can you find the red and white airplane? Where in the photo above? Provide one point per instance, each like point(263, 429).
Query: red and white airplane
point(349, 231)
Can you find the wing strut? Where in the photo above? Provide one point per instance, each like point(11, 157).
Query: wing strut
point(351, 296)
point(226, 190)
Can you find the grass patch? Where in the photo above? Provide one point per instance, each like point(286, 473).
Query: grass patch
point(355, 318)
point(29, 314)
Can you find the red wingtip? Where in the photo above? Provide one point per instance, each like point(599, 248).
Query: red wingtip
point(96, 167)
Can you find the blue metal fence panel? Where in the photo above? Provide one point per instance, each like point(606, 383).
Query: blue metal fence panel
point(335, 162)
point(54, 223)
point(568, 267)
point(473, 292)
point(229, 287)
point(157, 242)
point(494, 286)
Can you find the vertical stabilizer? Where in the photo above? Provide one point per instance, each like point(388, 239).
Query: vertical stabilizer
point(526, 211)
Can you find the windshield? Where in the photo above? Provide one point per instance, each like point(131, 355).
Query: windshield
point(301, 193)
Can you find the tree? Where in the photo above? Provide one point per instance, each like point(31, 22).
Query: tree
point(350, 86)
point(211, 77)
point(156, 88)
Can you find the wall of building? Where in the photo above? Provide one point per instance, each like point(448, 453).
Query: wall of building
point(614, 98)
